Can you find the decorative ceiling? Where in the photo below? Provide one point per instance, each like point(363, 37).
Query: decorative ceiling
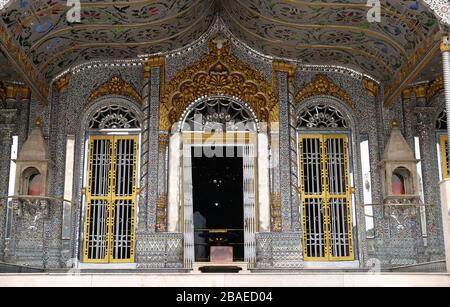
point(6, 72)
point(333, 32)
point(313, 32)
point(108, 29)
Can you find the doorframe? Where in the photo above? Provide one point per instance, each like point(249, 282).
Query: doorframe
point(136, 133)
point(351, 185)
point(249, 142)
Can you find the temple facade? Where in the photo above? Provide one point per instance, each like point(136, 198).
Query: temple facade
point(167, 137)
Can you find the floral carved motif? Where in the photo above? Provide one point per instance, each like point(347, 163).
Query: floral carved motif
point(115, 86)
point(218, 73)
point(321, 85)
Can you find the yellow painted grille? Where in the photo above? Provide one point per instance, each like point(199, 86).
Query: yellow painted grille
point(443, 142)
point(111, 196)
point(325, 198)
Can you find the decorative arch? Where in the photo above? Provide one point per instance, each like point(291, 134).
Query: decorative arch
point(219, 112)
point(112, 104)
point(321, 85)
point(115, 86)
point(218, 73)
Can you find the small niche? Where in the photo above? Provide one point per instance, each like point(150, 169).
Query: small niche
point(32, 182)
point(32, 165)
point(400, 182)
point(399, 169)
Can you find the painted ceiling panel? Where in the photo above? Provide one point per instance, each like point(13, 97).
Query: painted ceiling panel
point(294, 26)
point(313, 32)
point(108, 29)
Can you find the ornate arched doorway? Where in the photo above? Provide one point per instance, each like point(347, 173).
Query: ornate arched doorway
point(325, 183)
point(219, 186)
point(112, 137)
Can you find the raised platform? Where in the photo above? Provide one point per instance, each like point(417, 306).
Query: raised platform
point(227, 280)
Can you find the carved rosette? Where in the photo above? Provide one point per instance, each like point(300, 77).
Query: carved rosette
point(218, 73)
point(321, 85)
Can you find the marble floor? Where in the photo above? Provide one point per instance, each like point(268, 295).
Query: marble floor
point(228, 280)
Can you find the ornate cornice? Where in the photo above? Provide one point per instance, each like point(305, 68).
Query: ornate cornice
point(406, 94)
point(152, 62)
point(282, 66)
point(23, 66)
point(435, 87)
point(218, 73)
point(10, 91)
point(412, 67)
point(115, 86)
point(420, 90)
point(321, 85)
point(425, 90)
point(63, 82)
point(445, 44)
point(371, 86)
point(156, 61)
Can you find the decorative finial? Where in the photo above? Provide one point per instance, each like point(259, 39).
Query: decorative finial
point(38, 121)
point(220, 41)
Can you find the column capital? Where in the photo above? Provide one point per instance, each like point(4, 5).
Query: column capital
point(371, 86)
point(445, 44)
point(287, 67)
point(13, 92)
point(420, 90)
point(406, 94)
point(156, 61)
point(63, 82)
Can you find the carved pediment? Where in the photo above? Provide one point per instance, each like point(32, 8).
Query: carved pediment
point(218, 73)
point(115, 86)
point(321, 85)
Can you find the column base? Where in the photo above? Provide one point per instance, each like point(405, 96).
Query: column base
point(445, 205)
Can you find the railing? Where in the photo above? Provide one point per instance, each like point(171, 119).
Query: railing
point(426, 267)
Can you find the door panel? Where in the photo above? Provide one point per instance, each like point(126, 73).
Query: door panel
point(111, 199)
point(325, 195)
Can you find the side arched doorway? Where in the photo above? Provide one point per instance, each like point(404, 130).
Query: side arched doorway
point(111, 165)
point(326, 181)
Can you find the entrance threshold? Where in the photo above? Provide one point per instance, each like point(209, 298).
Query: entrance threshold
point(210, 267)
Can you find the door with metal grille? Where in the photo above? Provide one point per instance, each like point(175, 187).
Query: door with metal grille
point(445, 162)
point(111, 195)
point(325, 197)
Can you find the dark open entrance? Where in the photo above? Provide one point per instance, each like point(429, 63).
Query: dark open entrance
point(218, 199)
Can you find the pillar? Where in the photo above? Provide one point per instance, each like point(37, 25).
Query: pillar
point(150, 207)
point(445, 206)
point(6, 130)
point(284, 74)
point(445, 186)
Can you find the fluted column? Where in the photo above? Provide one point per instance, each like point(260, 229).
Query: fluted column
point(445, 49)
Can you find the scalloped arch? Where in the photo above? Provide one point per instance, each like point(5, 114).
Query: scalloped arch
point(218, 73)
